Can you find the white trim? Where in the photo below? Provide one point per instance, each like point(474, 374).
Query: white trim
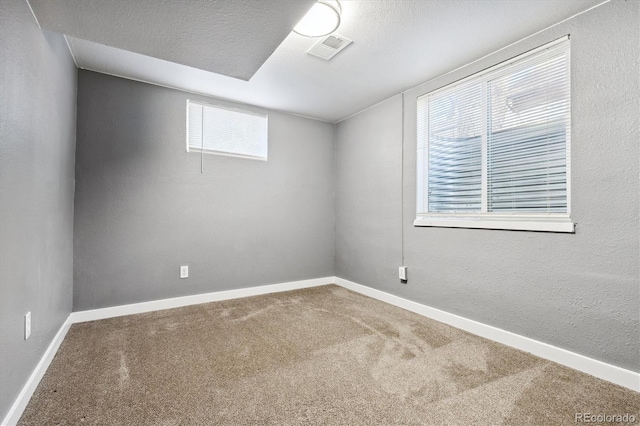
point(611, 373)
point(34, 14)
point(569, 135)
point(186, 110)
point(484, 160)
point(227, 154)
point(23, 398)
point(73, 56)
point(177, 302)
point(486, 222)
point(16, 410)
point(620, 376)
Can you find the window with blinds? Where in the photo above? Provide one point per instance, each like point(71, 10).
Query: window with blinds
point(219, 130)
point(494, 149)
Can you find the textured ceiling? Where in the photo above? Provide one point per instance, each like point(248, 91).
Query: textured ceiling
point(231, 38)
point(398, 44)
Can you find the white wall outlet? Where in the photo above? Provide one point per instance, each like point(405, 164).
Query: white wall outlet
point(402, 273)
point(184, 271)
point(27, 325)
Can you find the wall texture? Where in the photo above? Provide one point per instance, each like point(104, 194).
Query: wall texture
point(143, 208)
point(37, 143)
point(575, 291)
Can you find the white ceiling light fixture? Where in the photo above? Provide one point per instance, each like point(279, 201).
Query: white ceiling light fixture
point(322, 19)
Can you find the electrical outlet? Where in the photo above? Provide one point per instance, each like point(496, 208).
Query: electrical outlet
point(402, 273)
point(27, 325)
point(184, 271)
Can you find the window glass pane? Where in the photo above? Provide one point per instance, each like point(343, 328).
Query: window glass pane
point(498, 143)
point(221, 130)
point(454, 165)
point(527, 141)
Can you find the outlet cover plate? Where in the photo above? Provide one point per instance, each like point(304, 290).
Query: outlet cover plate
point(184, 271)
point(27, 325)
point(402, 273)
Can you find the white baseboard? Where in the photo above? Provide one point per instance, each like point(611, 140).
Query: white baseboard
point(23, 398)
point(620, 376)
point(611, 373)
point(177, 302)
point(16, 410)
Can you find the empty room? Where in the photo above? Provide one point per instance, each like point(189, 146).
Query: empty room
point(292, 212)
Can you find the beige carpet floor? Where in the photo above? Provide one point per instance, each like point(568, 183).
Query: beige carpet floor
point(319, 356)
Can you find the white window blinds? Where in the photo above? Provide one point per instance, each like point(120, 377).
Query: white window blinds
point(497, 143)
point(455, 150)
point(219, 130)
point(528, 126)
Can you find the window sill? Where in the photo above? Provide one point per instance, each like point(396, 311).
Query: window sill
point(226, 154)
point(506, 222)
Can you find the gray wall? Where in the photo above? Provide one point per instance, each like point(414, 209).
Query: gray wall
point(37, 143)
point(143, 208)
point(575, 291)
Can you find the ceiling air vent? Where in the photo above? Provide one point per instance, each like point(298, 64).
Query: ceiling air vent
point(329, 46)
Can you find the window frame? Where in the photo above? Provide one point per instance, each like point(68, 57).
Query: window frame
point(545, 222)
point(227, 153)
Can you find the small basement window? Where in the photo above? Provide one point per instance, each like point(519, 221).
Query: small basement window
point(494, 149)
point(220, 130)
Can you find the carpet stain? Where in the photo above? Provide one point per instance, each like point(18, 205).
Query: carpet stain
point(433, 336)
point(123, 371)
point(255, 313)
point(317, 356)
point(172, 326)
